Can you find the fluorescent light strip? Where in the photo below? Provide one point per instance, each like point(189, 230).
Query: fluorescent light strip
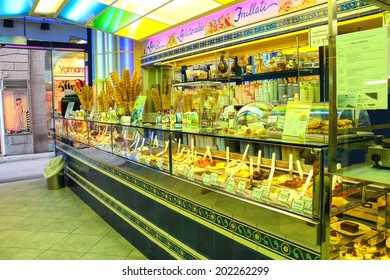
point(140, 7)
point(48, 7)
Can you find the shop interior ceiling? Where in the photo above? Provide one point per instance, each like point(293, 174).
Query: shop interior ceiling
point(134, 19)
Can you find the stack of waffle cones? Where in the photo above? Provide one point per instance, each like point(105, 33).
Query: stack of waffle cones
point(85, 96)
point(156, 99)
point(105, 98)
point(127, 89)
point(166, 101)
point(196, 100)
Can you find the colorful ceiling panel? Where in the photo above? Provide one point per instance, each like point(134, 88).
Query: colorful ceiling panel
point(15, 8)
point(113, 19)
point(134, 19)
point(81, 11)
point(142, 28)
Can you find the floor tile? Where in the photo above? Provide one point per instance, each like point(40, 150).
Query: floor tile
point(136, 255)
point(52, 212)
point(81, 243)
point(33, 223)
point(10, 222)
point(90, 256)
point(65, 226)
point(94, 227)
point(70, 202)
point(40, 240)
point(80, 213)
point(59, 255)
point(18, 254)
point(27, 211)
point(113, 246)
point(12, 237)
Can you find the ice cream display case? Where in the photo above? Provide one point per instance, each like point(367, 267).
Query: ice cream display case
point(273, 205)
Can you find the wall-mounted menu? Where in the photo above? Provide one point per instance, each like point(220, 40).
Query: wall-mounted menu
point(362, 69)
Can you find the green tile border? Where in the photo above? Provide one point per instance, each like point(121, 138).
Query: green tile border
point(265, 241)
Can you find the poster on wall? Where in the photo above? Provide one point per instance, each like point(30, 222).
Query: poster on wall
point(362, 69)
point(16, 112)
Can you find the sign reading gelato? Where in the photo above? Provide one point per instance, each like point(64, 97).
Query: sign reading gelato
point(239, 15)
point(232, 17)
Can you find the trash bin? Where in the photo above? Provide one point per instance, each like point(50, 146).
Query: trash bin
point(54, 173)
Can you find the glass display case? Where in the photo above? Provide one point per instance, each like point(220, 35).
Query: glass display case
point(290, 179)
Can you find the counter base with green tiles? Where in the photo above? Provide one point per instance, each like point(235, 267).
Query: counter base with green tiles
point(168, 218)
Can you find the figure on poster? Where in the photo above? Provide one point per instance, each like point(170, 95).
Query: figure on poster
point(18, 113)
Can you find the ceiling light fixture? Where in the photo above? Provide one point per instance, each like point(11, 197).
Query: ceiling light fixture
point(48, 7)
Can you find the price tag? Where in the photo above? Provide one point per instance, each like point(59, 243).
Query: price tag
point(214, 179)
point(266, 191)
point(174, 168)
point(283, 196)
point(138, 156)
point(308, 203)
point(241, 185)
point(256, 193)
point(147, 160)
point(230, 185)
point(297, 205)
point(190, 175)
point(160, 163)
point(186, 170)
point(206, 179)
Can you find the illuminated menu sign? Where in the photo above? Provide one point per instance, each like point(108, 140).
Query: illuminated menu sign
point(239, 15)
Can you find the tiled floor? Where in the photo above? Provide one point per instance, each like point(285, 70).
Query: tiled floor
point(37, 223)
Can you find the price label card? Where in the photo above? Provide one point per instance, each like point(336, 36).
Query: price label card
point(241, 185)
point(230, 185)
point(256, 193)
point(160, 163)
point(214, 179)
point(186, 170)
point(190, 175)
point(138, 157)
point(297, 205)
point(174, 168)
point(206, 179)
point(308, 203)
point(147, 160)
point(283, 196)
point(266, 191)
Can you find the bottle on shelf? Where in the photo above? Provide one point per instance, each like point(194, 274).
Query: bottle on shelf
point(236, 69)
point(303, 92)
point(310, 91)
point(172, 118)
point(222, 66)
